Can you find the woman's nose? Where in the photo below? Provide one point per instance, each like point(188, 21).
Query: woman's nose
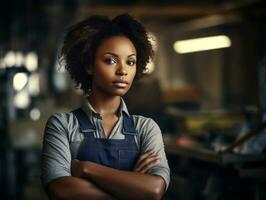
point(121, 70)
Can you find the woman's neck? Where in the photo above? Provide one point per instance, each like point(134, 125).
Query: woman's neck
point(105, 105)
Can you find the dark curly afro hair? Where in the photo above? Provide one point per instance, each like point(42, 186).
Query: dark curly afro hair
point(83, 39)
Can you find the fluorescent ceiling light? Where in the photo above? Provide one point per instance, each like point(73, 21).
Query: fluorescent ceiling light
point(19, 81)
point(202, 44)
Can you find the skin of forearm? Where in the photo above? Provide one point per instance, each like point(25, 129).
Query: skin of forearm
point(125, 184)
point(69, 187)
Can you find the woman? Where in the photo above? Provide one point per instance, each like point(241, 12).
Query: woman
point(100, 151)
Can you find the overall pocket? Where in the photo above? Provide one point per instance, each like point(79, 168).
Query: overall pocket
point(127, 159)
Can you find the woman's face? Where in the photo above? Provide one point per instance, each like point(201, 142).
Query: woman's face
point(115, 66)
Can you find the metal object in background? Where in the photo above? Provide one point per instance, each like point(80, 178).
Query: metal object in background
point(7, 164)
point(262, 86)
point(18, 166)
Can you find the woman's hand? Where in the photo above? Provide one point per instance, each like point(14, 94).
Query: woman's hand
point(78, 168)
point(146, 161)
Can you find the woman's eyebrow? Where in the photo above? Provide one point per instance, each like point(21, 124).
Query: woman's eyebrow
point(132, 55)
point(115, 55)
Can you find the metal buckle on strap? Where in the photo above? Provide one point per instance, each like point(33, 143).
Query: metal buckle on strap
point(129, 132)
point(87, 130)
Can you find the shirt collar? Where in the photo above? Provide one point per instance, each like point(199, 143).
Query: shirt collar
point(90, 111)
point(123, 107)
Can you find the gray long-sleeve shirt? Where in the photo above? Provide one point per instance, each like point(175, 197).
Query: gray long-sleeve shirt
point(62, 138)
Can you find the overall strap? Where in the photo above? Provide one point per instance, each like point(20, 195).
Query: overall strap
point(128, 127)
point(85, 124)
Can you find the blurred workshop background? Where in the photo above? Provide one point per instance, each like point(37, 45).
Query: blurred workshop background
point(206, 88)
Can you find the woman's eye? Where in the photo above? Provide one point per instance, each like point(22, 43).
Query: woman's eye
point(110, 61)
point(131, 62)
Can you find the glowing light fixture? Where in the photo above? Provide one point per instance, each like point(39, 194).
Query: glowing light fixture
point(10, 59)
point(31, 61)
point(34, 84)
point(35, 114)
point(22, 99)
point(19, 81)
point(202, 44)
point(19, 59)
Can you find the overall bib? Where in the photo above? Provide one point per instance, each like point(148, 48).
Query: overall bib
point(118, 154)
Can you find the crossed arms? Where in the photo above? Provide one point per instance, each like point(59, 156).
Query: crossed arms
point(94, 181)
point(87, 180)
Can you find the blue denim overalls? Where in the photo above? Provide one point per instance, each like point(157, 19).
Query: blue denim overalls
point(118, 154)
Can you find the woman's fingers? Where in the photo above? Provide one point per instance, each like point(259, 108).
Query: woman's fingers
point(77, 167)
point(150, 165)
point(147, 162)
point(143, 157)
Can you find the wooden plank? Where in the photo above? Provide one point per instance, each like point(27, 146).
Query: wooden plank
point(161, 11)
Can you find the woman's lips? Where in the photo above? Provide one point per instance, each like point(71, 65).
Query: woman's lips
point(120, 84)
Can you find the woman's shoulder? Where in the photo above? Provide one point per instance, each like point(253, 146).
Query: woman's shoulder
point(141, 118)
point(144, 124)
point(65, 119)
point(61, 116)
